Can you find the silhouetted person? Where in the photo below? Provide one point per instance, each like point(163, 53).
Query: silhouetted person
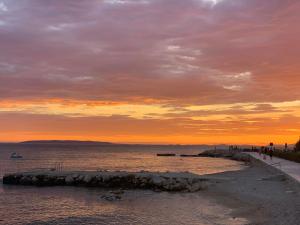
point(261, 151)
point(271, 153)
point(285, 147)
point(265, 152)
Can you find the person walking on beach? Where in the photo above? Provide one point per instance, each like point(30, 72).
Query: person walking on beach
point(271, 153)
point(271, 149)
point(260, 151)
point(286, 147)
point(265, 151)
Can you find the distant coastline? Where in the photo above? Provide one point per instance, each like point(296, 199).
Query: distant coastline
point(103, 143)
point(64, 142)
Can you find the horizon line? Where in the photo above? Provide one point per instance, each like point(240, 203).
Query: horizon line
point(140, 143)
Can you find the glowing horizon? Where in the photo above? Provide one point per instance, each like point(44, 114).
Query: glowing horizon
point(150, 71)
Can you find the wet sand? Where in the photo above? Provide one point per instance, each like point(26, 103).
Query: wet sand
point(259, 194)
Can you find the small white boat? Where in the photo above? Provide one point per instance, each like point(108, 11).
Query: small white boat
point(15, 155)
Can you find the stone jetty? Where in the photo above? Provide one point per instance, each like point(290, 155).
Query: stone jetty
point(186, 182)
point(238, 156)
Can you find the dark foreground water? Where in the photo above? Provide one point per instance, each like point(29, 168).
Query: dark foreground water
point(75, 205)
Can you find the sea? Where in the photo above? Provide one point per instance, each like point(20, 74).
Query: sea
point(81, 205)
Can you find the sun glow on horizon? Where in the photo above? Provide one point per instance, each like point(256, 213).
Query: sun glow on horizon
point(194, 71)
point(241, 123)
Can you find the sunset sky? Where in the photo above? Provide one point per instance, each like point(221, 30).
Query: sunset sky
point(150, 71)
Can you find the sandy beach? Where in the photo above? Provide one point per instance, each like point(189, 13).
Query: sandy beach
point(258, 194)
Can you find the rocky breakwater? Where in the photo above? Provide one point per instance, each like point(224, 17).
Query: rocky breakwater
point(186, 182)
point(238, 156)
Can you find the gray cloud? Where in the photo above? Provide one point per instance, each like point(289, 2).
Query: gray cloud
point(184, 51)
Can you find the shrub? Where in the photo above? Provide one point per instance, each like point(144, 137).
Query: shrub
point(297, 146)
point(291, 155)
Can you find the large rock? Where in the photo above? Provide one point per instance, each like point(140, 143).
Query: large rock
point(87, 178)
point(241, 157)
point(69, 180)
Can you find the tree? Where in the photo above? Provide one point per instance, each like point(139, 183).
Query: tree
point(297, 146)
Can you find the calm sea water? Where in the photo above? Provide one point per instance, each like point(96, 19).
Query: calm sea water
point(74, 205)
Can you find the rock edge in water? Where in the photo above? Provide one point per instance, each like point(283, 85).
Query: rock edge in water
point(105, 179)
point(238, 156)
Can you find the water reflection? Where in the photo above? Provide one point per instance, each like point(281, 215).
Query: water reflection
point(111, 158)
point(71, 205)
point(75, 205)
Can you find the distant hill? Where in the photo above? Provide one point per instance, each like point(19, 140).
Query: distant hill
point(65, 142)
point(99, 143)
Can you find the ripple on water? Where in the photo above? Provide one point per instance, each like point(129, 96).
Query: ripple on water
point(71, 205)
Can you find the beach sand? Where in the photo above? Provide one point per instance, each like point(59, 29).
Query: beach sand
point(259, 194)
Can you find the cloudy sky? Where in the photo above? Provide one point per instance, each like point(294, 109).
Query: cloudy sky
point(150, 71)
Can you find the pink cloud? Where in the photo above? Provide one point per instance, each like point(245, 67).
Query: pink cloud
point(99, 50)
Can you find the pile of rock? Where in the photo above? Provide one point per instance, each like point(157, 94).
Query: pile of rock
point(105, 179)
point(239, 156)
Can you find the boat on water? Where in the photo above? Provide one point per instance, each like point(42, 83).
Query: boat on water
point(188, 155)
point(15, 155)
point(165, 154)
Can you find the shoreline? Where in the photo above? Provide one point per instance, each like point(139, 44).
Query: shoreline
point(259, 193)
